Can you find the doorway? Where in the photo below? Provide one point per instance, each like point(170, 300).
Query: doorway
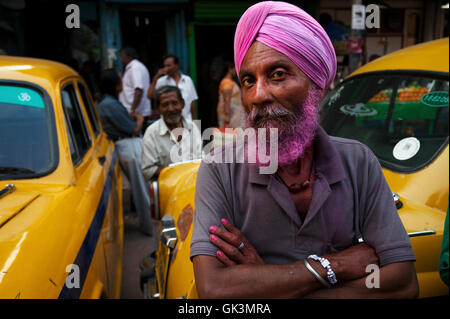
point(214, 46)
point(146, 32)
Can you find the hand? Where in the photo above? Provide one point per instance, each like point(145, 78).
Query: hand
point(226, 119)
point(160, 73)
point(228, 240)
point(351, 263)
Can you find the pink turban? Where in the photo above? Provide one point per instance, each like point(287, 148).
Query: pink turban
point(290, 30)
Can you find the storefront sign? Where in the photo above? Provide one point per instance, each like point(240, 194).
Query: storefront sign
point(358, 17)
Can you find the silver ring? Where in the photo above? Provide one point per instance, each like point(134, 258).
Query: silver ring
point(241, 245)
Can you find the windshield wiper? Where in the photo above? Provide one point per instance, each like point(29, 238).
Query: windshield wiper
point(15, 170)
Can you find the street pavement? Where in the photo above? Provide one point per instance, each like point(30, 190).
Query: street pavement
point(136, 245)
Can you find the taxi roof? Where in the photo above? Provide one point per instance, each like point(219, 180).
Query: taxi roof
point(33, 70)
point(429, 56)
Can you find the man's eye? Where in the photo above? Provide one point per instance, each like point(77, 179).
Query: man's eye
point(277, 74)
point(245, 82)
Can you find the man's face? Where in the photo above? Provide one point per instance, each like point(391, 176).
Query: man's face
point(273, 87)
point(170, 66)
point(170, 107)
point(277, 94)
point(124, 58)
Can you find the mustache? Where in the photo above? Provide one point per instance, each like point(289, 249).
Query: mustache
point(270, 113)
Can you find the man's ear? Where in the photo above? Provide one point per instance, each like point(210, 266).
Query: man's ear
point(182, 103)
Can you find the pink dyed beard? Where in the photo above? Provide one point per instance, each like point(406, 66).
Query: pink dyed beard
point(296, 129)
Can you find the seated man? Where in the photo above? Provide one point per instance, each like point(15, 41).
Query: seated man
point(123, 131)
point(172, 138)
point(295, 233)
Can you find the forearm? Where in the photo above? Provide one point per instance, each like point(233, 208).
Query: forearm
point(151, 89)
point(149, 171)
point(194, 114)
point(139, 122)
point(227, 105)
point(395, 281)
point(257, 281)
point(136, 100)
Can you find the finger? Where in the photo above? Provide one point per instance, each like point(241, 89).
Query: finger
point(224, 234)
point(239, 237)
point(231, 251)
point(224, 259)
point(230, 227)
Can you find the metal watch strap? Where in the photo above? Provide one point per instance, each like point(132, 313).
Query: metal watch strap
point(318, 277)
point(327, 265)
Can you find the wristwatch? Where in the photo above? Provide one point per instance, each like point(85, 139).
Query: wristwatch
point(327, 265)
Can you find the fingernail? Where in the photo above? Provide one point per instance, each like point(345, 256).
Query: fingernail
point(219, 253)
point(213, 237)
point(212, 229)
point(224, 221)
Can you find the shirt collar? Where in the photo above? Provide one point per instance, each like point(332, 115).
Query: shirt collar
point(129, 65)
point(182, 77)
point(163, 129)
point(327, 161)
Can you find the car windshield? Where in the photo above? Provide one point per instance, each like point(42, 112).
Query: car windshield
point(403, 118)
point(26, 133)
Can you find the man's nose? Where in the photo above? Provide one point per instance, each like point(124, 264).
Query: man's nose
point(172, 107)
point(262, 93)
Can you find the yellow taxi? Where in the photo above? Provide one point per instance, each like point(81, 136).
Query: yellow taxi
point(61, 225)
point(398, 106)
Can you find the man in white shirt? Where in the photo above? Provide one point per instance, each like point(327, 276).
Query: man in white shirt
point(172, 138)
point(136, 81)
point(170, 75)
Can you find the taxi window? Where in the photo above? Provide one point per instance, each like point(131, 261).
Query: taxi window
point(89, 108)
point(27, 133)
point(402, 118)
point(78, 134)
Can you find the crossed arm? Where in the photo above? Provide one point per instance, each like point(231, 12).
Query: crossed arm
point(235, 273)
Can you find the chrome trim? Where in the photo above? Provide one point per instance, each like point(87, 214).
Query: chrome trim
point(8, 189)
point(397, 201)
point(422, 233)
point(169, 232)
point(412, 234)
point(155, 186)
point(148, 280)
point(396, 197)
point(184, 162)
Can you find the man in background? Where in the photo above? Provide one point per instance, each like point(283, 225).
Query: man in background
point(163, 143)
point(170, 75)
point(121, 128)
point(136, 80)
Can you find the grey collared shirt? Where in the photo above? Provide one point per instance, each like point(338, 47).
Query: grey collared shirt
point(351, 199)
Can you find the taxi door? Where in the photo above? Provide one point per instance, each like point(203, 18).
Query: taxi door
point(94, 187)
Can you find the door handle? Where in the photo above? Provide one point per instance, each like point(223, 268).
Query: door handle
point(101, 160)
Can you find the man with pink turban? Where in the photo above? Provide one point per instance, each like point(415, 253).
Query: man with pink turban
point(296, 232)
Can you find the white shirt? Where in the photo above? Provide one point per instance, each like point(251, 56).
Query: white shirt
point(187, 89)
point(136, 76)
point(160, 146)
